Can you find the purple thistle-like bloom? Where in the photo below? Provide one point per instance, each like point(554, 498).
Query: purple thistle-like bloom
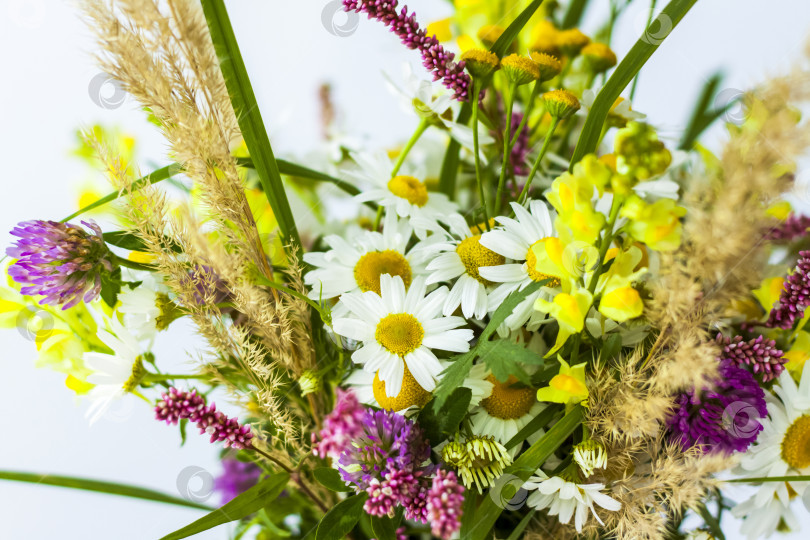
point(520, 150)
point(435, 58)
point(236, 478)
point(176, 405)
point(760, 354)
point(723, 419)
point(795, 296)
point(59, 261)
point(793, 228)
point(444, 502)
point(340, 426)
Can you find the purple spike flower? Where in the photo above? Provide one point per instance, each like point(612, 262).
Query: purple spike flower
point(236, 478)
point(59, 261)
point(760, 354)
point(795, 296)
point(444, 503)
point(340, 426)
point(176, 405)
point(794, 227)
point(723, 419)
point(435, 57)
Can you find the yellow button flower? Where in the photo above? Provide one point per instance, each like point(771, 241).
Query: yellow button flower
point(567, 387)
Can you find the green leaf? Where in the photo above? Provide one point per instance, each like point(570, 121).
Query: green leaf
point(98, 486)
point(449, 172)
point(384, 528)
point(341, 519)
point(503, 358)
point(452, 377)
point(501, 46)
point(111, 286)
point(441, 420)
point(520, 527)
point(250, 117)
point(611, 347)
point(488, 512)
point(330, 479)
point(507, 307)
point(666, 21)
point(249, 502)
point(702, 116)
point(125, 240)
point(574, 14)
point(538, 422)
point(151, 178)
point(711, 522)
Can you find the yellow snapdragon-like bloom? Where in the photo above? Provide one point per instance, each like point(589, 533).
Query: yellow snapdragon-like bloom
point(658, 224)
point(620, 301)
point(567, 387)
point(569, 309)
point(798, 354)
point(571, 196)
point(769, 291)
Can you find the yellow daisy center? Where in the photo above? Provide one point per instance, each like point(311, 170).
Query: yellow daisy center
point(473, 255)
point(411, 393)
point(796, 444)
point(137, 375)
point(508, 402)
point(372, 265)
point(410, 189)
point(531, 266)
point(399, 333)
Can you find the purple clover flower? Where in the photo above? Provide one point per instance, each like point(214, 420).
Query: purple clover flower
point(723, 419)
point(795, 296)
point(340, 426)
point(176, 405)
point(59, 261)
point(760, 354)
point(236, 478)
point(444, 504)
point(435, 58)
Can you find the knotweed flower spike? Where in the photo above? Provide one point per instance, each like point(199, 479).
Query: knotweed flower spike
point(530, 315)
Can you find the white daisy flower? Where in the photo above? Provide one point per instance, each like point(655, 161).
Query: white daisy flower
point(565, 499)
point(762, 520)
point(783, 446)
point(356, 265)
point(404, 194)
point(141, 307)
point(430, 101)
point(457, 259)
point(514, 240)
point(113, 374)
point(399, 330)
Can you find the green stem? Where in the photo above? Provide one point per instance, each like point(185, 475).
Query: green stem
point(325, 315)
point(507, 147)
point(649, 21)
point(476, 93)
point(377, 219)
point(423, 125)
point(528, 112)
point(120, 261)
point(525, 193)
point(802, 478)
point(161, 377)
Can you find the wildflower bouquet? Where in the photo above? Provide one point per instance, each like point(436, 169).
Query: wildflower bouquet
point(540, 320)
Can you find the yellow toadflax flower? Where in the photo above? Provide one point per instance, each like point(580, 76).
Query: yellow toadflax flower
point(620, 301)
point(567, 387)
point(658, 224)
point(569, 310)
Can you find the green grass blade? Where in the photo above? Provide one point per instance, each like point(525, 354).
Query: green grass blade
point(702, 116)
point(501, 45)
point(249, 117)
point(666, 21)
point(246, 503)
point(99, 486)
point(525, 466)
point(151, 178)
point(574, 13)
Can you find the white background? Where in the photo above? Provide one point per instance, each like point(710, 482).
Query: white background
point(45, 51)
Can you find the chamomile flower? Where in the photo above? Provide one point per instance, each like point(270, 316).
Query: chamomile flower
point(565, 499)
point(405, 195)
point(143, 306)
point(763, 518)
point(514, 240)
point(356, 265)
point(399, 330)
point(457, 260)
point(783, 446)
point(116, 374)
